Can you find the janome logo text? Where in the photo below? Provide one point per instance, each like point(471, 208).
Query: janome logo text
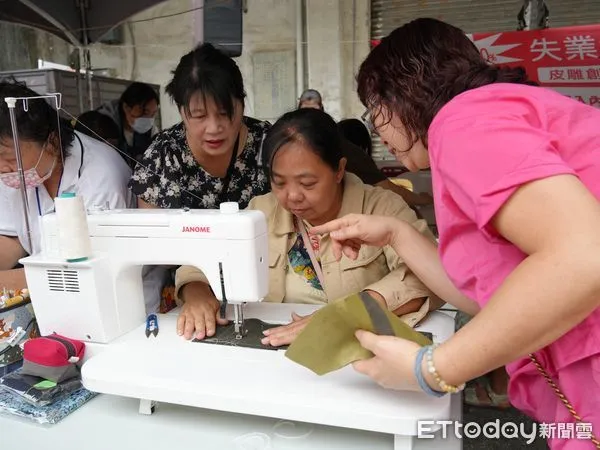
point(195, 229)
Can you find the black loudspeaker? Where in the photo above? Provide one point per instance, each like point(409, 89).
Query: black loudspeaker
point(223, 25)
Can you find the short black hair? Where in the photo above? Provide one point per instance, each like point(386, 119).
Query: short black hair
point(312, 127)
point(37, 124)
point(138, 94)
point(96, 124)
point(356, 132)
point(210, 72)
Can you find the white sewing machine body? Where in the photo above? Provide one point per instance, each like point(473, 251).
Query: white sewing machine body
point(100, 299)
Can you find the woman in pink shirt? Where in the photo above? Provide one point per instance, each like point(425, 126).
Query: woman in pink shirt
point(516, 180)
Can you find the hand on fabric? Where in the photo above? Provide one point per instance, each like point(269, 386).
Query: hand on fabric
point(350, 232)
point(285, 334)
point(200, 312)
point(392, 365)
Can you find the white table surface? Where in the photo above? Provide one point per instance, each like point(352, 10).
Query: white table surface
point(111, 423)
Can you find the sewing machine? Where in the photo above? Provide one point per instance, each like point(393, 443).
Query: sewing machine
point(101, 299)
point(101, 302)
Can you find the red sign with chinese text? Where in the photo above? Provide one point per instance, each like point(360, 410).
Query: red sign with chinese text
point(564, 59)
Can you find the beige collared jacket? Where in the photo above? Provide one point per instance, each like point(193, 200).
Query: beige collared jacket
point(377, 269)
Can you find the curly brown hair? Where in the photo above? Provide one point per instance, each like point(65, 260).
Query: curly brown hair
point(420, 67)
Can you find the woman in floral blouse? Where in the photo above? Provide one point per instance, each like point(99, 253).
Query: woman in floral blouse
point(213, 154)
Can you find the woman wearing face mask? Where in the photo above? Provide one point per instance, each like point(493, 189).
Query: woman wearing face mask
point(56, 159)
point(309, 184)
point(134, 113)
point(213, 154)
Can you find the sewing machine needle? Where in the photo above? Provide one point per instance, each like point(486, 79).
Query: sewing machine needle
point(238, 321)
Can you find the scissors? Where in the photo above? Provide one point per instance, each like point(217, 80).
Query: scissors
point(151, 325)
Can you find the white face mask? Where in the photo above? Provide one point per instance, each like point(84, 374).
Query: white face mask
point(32, 177)
point(142, 125)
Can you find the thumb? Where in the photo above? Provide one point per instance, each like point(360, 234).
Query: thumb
point(367, 339)
point(221, 321)
point(364, 366)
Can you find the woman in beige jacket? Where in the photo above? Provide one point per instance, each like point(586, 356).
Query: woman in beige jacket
point(310, 187)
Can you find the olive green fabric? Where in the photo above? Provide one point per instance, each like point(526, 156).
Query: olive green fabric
point(328, 342)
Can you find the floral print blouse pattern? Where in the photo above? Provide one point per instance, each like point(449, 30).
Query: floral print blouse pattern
point(168, 176)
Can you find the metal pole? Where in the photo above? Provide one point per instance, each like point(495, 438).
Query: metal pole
point(78, 78)
point(83, 4)
point(199, 21)
point(88, 71)
point(299, 48)
point(12, 102)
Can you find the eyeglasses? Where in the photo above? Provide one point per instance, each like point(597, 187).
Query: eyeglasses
point(366, 118)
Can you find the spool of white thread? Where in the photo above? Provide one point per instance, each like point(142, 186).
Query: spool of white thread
point(73, 234)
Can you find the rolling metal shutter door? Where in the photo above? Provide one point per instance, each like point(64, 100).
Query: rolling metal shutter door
point(564, 13)
point(472, 16)
point(469, 15)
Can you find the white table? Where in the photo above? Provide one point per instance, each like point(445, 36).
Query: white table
point(113, 422)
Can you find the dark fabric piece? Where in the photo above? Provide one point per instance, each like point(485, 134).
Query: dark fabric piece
point(225, 335)
point(427, 335)
point(382, 325)
point(361, 164)
point(380, 322)
point(34, 389)
point(378, 318)
point(56, 374)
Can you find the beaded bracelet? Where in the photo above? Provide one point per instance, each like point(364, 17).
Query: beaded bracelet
point(445, 387)
point(421, 379)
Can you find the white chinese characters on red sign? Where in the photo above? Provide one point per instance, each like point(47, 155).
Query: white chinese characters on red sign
point(564, 59)
point(580, 47)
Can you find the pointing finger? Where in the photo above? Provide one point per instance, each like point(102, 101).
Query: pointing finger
point(330, 226)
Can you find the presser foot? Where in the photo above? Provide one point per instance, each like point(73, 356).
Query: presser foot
point(238, 322)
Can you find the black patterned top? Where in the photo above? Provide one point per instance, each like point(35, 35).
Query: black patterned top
point(168, 176)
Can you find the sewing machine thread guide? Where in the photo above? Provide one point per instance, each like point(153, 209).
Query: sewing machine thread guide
point(151, 325)
point(223, 309)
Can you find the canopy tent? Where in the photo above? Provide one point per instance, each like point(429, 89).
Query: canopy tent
point(79, 22)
